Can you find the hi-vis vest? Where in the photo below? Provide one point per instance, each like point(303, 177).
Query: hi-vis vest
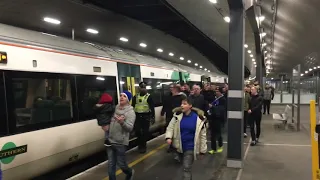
point(142, 105)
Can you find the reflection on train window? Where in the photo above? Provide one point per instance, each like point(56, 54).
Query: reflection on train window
point(39, 100)
point(157, 88)
point(89, 90)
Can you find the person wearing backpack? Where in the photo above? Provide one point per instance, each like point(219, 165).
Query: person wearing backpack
point(187, 133)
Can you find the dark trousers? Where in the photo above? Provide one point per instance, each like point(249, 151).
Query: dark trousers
point(117, 155)
point(266, 106)
point(245, 119)
point(215, 131)
point(255, 125)
point(142, 125)
point(187, 161)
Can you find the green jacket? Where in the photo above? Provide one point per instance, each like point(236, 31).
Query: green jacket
point(246, 101)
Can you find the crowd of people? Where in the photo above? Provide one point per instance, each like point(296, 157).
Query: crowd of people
point(188, 112)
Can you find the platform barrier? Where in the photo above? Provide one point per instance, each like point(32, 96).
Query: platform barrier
point(315, 131)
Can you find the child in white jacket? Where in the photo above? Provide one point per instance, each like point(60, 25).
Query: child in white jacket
point(187, 133)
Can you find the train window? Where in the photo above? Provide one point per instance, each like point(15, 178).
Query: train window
point(89, 90)
point(39, 100)
point(3, 111)
point(157, 89)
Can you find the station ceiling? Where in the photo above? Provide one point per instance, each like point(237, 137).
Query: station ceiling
point(295, 36)
point(161, 27)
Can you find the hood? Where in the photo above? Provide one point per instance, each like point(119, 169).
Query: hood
point(199, 112)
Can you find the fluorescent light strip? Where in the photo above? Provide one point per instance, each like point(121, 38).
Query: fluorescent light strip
point(92, 31)
point(51, 20)
point(124, 39)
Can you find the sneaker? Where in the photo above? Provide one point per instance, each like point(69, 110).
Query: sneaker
point(130, 177)
point(212, 152)
point(245, 135)
point(253, 143)
point(177, 158)
point(107, 143)
point(220, 150)
point(257, 140)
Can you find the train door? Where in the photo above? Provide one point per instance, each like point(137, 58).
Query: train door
point(129, 77)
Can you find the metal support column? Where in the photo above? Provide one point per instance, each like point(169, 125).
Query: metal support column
point(281, 89)
point(236, 83)
point(72, 34)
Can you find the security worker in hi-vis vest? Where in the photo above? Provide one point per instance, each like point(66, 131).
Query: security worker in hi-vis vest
point(144, 108)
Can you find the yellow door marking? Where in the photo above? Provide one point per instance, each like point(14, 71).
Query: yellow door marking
point(314, 140)
point(140, 159)
point(133, 86)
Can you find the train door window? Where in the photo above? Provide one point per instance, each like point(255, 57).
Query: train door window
point(40, 98)
point(156, 88)
point(3, 107)
point(89, 90)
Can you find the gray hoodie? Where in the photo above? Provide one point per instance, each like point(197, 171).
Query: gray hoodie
point(119, 133)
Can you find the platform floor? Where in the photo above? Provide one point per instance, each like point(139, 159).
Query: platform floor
point(281, 155)
point(157, 164)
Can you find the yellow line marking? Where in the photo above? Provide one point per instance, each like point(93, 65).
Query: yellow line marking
point(139, 160)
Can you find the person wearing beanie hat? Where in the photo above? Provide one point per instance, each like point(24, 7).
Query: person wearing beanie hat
point(144, 108)
point(122, 124)
point(218, 116)
point(128, 95)
point(104, 111)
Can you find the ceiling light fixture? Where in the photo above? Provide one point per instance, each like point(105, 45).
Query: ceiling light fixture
point(318, 66)
point(208, 70)
point(251, 55)
point(264, 44)
point(171, 54)
point(124, 39)
point(301, 74)
point(263, 34)
point(189, 61)
point(310, 69)
point(314, 67)
point(255, 65)
point(92, 31)
point(143, 45)
point(265, 51)
point(196, 64)
point(306, 72)
point(159, 50)
point(227, 19)
point(200, 66)
point(246, 45)
point(249, 51)
point(253, 59)
point(261, 18)
point(49, 34)
point(205, 69)
point(213, 1)
point(51, 20)
point(181, 58)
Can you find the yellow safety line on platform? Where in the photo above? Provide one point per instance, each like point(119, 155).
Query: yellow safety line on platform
point(314, 140)
point(140, 159)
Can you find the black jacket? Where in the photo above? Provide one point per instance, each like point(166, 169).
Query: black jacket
point(255, 104)
point(218, 108)
point(199, 102)
point(104, 113)
point(170, 102)
point(209, 95)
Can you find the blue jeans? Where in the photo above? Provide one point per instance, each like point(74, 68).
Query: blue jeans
point(117, 155)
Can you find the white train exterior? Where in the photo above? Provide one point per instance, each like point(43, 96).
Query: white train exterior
point(49, 148)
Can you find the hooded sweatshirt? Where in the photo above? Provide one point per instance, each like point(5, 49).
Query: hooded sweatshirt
point(119, 133)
